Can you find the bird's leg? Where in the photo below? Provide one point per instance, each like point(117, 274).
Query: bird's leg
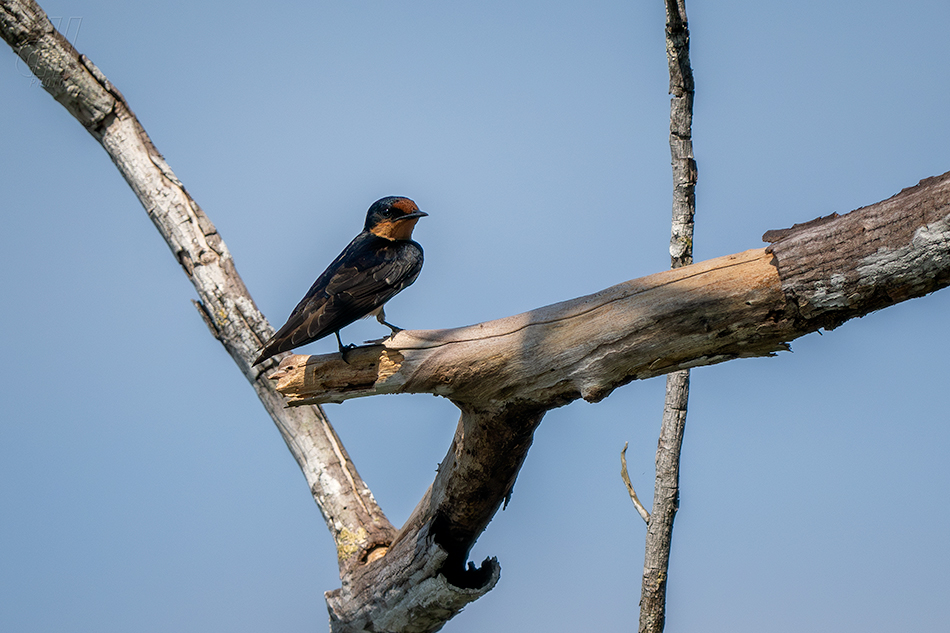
point(338, 341)
point(344, 349)
point(381, 317)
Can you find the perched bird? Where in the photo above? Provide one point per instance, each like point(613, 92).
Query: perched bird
point(377, 264)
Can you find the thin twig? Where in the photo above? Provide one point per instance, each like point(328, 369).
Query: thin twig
point(633, 493)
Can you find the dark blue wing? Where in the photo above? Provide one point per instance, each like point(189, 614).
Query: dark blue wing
point(368, 273)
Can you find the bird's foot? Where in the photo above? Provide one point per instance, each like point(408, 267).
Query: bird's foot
point(345, 351)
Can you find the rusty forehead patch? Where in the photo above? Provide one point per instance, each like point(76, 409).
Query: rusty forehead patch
point(405, 205)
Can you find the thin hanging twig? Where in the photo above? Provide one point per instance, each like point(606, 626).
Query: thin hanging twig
point(633, 494)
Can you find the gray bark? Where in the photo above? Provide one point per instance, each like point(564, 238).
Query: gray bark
point(656, 559)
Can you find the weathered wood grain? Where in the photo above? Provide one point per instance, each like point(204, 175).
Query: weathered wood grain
point(841, 267)
point(712, 311)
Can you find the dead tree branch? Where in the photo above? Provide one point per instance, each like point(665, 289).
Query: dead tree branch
point(815, 275)
point(505, 374)
point(709, 312)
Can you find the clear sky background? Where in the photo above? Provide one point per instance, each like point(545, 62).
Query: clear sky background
point(144, 489)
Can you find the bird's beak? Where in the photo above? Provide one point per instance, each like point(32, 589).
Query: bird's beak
point(414, 214)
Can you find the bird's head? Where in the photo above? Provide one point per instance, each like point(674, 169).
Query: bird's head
point(393, 218)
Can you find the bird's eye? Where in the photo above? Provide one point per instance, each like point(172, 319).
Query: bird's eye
point(387, 212)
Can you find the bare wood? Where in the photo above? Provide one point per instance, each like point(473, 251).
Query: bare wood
point(582, 348)
point(475, 477)
point(681, 134)
point(351, 513)
point(666, 496)
point(504, 374)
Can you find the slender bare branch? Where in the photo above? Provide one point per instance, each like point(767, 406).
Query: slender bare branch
point(666, 489)
point(681, 134)
point(656, 559)
point(642, 511)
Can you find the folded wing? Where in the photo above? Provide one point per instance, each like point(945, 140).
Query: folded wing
point(368, 273)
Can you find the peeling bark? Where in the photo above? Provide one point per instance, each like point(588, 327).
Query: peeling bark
point(840, 267)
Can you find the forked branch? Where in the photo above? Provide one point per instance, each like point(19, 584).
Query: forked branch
point(505, 374)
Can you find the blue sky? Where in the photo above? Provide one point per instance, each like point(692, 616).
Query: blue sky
point(144, 488)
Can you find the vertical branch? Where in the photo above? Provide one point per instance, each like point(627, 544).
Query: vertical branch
point(666, 490)
point(656, 559)
point(681, 134)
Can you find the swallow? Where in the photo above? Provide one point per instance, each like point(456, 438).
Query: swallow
point(381, 261)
